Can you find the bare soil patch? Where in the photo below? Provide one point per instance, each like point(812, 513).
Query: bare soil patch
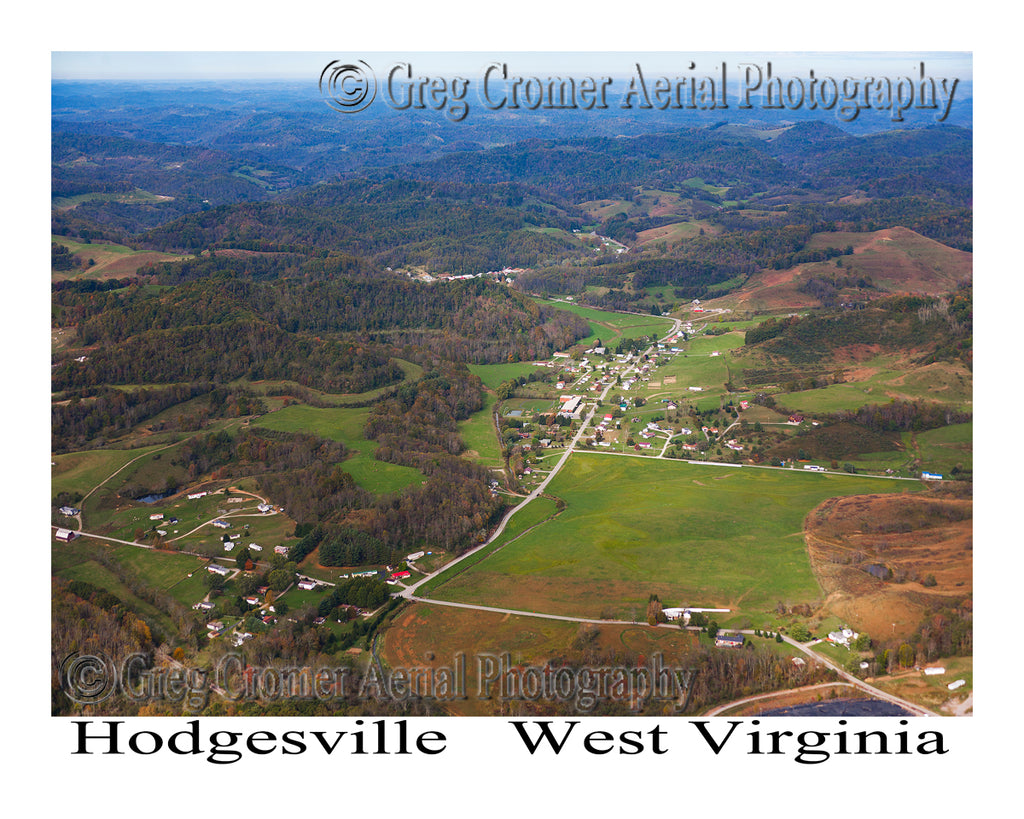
point(884, 560)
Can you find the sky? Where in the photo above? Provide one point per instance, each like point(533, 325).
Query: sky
point(299, 65)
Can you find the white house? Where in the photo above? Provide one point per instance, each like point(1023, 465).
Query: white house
point(307, 584)
point(843, 637)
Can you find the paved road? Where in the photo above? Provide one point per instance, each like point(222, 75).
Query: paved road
point(849, 679)
point(111, 539)
point(718, 709)
point(409, 591)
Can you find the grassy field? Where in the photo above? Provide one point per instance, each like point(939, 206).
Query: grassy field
point(939, 450)
point(695, 535)
point(883, 379)
point(136, 196)
point(346, 425)
point(611, 327)
point(412, 373)
point(165, 571)
point(81, 471)
point(112, 261)
point(933, 691)
point(493, 375)
point(532, 514)
point(479, 435)
point(425, 636)
point(675, 232)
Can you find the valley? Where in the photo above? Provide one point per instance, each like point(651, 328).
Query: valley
point(704, 391)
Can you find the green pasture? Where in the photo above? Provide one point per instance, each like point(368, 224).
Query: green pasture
point(345, 424)
point(610, 327)
point(413, 372)
point(695, 535)
point(494, 375)
point(82, 471)
point(479, 436)
point(881, 388)
point(939, 450)
point(111, 260)
point(530, 515)
point(137, 196)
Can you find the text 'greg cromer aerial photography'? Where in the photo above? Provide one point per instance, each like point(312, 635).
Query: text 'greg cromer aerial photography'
point(526, 385)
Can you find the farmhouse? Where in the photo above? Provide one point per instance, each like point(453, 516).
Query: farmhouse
point(216, 568)
point(69, 511)
point(204, 605)
point(729, 640)
point(281, 550)
point(222, 524)
point(842, 637)
point(65, 535)
point(306, 584)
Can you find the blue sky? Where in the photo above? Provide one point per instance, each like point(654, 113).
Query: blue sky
point(270, 65)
